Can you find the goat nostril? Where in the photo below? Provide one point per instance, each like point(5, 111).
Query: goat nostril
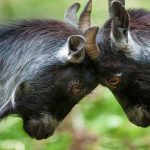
point(46, 135)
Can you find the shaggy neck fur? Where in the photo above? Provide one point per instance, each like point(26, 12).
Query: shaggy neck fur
point(25, 49)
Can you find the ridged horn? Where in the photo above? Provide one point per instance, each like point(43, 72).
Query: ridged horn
point(85, 17)
point(70, 14)
point(92, 49)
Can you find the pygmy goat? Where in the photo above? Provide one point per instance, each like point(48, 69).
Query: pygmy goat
point(122, 59)
point(44, 69)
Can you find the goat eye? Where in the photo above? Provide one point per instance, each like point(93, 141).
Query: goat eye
point(114, 81)
point(76, 89)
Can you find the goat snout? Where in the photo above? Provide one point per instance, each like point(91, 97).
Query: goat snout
point(139, 116)
point(41, 128)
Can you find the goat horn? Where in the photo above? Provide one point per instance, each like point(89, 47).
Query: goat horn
point(70, 14)
point(85, 17)
point(92, 49)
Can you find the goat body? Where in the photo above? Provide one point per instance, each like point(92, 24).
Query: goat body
point(124, 62)
point(44, 72)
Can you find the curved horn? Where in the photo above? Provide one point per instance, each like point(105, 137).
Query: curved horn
point(85, 17)
point(92, 49)
point(111, 1)
point(70, 14)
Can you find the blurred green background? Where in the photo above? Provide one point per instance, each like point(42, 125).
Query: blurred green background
point(98, 122)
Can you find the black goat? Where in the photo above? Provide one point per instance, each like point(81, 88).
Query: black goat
point(44, 71)
point(122, 59)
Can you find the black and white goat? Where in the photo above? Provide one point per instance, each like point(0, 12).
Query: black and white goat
point(122, 59)
point(44, 71)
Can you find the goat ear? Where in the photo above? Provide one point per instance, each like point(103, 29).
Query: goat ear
point(111, 1)
point(70, 14)
point(76, 45)
point(120, 25)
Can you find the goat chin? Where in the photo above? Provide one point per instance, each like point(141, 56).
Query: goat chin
point(41, 127)
point(139, 116)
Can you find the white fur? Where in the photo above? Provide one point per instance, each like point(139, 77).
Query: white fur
point(138, 51)
point(118, 74)
point(63, 52)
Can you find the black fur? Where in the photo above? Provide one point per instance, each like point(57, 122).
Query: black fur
point(133, 89)
point(48, 86)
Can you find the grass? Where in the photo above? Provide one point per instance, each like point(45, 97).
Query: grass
point(98, 122)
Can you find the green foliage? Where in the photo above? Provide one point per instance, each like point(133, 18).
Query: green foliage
point(100, 114)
